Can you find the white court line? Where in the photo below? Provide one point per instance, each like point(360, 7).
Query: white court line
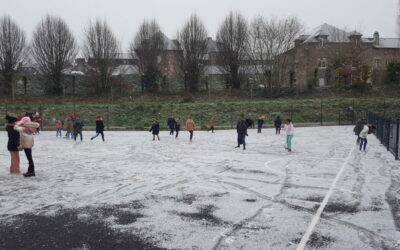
point(321, 208)
point(266, 165)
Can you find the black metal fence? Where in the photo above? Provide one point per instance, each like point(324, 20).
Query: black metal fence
point(387, 131)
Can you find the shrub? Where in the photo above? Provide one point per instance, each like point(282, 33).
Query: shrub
point(393, 72)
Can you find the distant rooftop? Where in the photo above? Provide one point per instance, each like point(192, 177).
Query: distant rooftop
point(334, 34)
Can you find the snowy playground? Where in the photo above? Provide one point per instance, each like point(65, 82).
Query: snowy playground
point(134, 193)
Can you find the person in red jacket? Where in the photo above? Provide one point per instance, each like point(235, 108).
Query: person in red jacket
point(59, 126)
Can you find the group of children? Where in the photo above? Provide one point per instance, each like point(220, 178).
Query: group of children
point(21, 129)
point(174, 126)
point(243, 125)
point(74, 127)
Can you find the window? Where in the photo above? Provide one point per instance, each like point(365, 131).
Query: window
point(322, 63)
point(376, 63)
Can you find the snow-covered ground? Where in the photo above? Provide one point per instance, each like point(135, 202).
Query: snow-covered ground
point(203, 194)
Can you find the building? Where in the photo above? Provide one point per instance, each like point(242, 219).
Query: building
point(329, 54)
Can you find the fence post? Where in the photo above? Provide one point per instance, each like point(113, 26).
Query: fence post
point(384, 107)
point(108, 117)
point(388, 135)
point(339, 118)
point(321, 114)
point(42, 116)
point(291, 112)
point(231, 122)
point(397, 139)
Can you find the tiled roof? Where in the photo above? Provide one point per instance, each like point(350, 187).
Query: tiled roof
point(334, 34)
point(388, 43)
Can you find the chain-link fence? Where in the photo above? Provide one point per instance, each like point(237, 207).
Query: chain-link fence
point(139, 116)
point(387, 131)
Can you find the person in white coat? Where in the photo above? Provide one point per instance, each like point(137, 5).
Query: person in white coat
point(26, 129)
point(363, 137)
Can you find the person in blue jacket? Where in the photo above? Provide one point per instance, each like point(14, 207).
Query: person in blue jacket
point(155, 129)
point(278, 124)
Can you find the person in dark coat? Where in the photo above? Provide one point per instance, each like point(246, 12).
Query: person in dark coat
point(249, 123)
point(260, 123)
point(13, 144)
point(177, 127)
point(155, 129)
point(171, 125)
point(278, 124)
point(78, 125)
point(241, 129)
point(357, 130)
point(99, 128)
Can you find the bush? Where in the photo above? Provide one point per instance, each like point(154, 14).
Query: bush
point(393, 72)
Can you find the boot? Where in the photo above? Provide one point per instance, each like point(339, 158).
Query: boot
point(29, 174)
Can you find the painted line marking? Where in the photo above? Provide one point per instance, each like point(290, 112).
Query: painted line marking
point(321, 208)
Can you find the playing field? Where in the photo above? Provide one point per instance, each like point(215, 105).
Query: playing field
point(134, 193)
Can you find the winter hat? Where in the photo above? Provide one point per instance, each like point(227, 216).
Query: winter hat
point(26, 119)
point(11, 119)
point(27, 129)
point(19, 117)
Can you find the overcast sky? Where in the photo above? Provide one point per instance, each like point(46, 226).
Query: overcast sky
point(124, 16)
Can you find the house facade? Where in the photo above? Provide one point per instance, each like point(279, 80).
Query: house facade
point(332, 55)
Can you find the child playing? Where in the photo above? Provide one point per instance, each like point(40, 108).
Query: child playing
point(155, 129)
point(190, 126)
point(177, 127)
point(363, 137)
point(99, 128)
point(289, 128)
point(59, 126)
point(13, 144)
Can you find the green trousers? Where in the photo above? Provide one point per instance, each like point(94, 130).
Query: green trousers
point(289, 141)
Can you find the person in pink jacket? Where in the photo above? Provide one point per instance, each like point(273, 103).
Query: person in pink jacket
point(26, 129)
point(289, 128)
point(59, 126)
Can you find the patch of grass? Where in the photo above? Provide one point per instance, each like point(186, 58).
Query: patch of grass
point(204, 213)
point(140, 115)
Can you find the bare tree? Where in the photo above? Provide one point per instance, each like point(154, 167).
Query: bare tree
point(258, 51)
point(269, 42)
point(100, 49)
point(148, 46)
point(280, 39)
point(193, 41)
point(53, 48)
point(233, 35)
point(12, 52)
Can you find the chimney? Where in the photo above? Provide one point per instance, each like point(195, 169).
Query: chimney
point(376, 38)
